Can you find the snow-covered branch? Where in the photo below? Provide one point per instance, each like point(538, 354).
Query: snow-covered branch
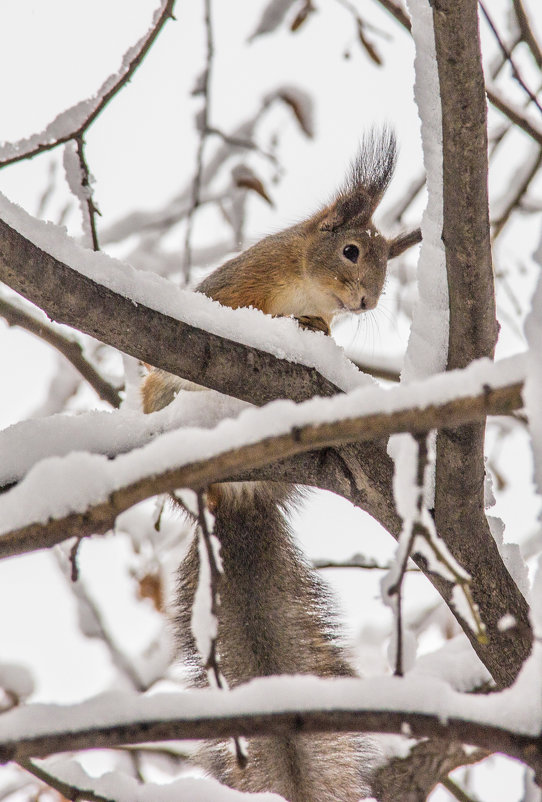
point(418, 705)
point(194, 458)
point(73, 122)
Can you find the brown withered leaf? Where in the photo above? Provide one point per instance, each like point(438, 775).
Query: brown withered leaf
point(150, 587)
point(295, 101)
point(244, 177)
point(368, 46)
point(302, 15)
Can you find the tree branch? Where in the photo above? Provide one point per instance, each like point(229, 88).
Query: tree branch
point(515, 115)
point(196, 724)
point(69, 297)
point(527, 33)
point(197, 475)
point(70, 349)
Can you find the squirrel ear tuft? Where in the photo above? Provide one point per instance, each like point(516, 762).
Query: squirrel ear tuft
point(366, 183)
point(346, 208)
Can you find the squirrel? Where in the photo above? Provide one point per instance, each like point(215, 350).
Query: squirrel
point(275, 614)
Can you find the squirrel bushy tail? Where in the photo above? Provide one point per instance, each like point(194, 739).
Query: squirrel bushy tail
point(274, 618)
point(275, 615)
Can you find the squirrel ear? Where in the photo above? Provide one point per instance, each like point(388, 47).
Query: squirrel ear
point(366, 183)
point(404, 241)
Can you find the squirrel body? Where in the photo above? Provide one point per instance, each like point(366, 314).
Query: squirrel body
point(275, 614)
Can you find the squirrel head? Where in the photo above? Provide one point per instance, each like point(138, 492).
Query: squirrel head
point(345, 255)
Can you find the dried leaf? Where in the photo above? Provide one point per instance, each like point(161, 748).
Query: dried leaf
point(244, 177)
point(368, 46)
point(302, 15)
point(150, 587)
point(301, 106)
point(273, 15)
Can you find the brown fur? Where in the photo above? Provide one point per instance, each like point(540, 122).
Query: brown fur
point(275, 613)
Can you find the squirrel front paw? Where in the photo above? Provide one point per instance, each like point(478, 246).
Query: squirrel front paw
point(313, 323)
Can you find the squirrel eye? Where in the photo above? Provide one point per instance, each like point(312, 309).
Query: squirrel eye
point(351, 252)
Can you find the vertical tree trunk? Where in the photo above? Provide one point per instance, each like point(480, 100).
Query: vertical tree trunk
point(459, 496)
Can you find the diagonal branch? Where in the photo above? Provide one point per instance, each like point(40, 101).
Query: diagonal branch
point(27, 149)
point(527, 33)
point(71, 349)
point(69, 297)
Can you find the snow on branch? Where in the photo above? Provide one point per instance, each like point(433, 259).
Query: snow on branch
point(73, 122)
point(71, 780)
point(50, 504)
point(508, 721)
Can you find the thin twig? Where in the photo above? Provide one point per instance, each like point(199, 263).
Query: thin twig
point(514, 114)
point(246, 144)
point(67, 790)
point(397, 11)
point(215, 571)
point(120, 660)
point(86, 185)
point(515, 201)
point(506, 52)
point(70, 349)
point(455, 790)
point(204, 128)
point(416, 526)
point(357, 561)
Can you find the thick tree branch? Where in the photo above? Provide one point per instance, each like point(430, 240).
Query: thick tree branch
point(514, 115)
point(459, 492)
point(136, 730)
point(198, 475)
point(67, 296)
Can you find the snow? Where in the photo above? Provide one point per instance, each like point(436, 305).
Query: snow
point(16, 680)
point(122, 788)
point(56, 486)
point(428, 344)
point(517, 709)
point(74, 177)
point(532, 392)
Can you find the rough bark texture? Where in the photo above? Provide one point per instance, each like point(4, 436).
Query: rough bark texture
point(459, 497)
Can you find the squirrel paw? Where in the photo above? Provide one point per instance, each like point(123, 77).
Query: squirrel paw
point(313, 323)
